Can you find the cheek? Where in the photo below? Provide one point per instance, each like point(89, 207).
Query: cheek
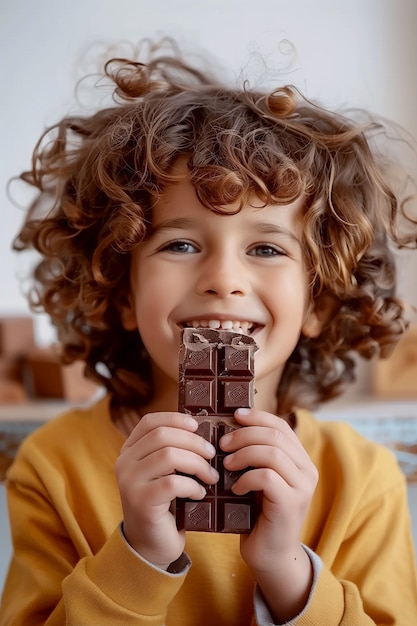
point(155, 297)
point(150, 308)
point(290, 295)
point(157, 332)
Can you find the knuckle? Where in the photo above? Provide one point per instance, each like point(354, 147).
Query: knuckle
point(269, 475)
point(277, 455)
point(168, 454)
point(146, 422)
point(146, 418)
point(170, 481)
point(277, 436)
point(162, 433)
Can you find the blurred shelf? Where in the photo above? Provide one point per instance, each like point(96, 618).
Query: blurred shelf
point(36, 411)
point(390, 422)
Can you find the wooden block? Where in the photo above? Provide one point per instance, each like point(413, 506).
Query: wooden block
point(11, 368)
point(12, 392)
point(16, 335)
point(47, 377)
point(396, 376)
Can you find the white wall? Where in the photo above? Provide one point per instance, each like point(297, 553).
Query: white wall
point(354, 52)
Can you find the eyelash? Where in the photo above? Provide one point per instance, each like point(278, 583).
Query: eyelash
point(265, 246)
point(173, 246)
point(170, 247)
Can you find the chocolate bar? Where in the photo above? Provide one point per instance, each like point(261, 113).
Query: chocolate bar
point(216, 376)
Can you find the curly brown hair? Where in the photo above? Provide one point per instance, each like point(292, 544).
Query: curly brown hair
point(97, 177)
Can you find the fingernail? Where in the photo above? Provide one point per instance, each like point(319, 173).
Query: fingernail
point(211, 450)
point(227, 459)
point(190, 422)
point(225, 440)
point(242, 411)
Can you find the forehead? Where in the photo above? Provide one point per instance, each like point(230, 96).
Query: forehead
point(180, 198)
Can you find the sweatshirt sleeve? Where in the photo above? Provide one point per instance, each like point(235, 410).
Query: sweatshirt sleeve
point(55, 579)
point(117, 586)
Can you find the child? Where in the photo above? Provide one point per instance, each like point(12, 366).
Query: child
point(188, 203)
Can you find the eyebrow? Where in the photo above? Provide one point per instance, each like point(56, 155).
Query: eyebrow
point(184, 222)
point(176, 222)
point(275, 229)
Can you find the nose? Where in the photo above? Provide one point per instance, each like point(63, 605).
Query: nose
point(223, 275)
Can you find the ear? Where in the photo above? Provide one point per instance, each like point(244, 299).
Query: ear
point(128, 313)
point(321, 310)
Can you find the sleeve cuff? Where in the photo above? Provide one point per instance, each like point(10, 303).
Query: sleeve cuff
point(134, 582)
point(180, 566)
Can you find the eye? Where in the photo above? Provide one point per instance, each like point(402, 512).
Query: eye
point(179, 247)
point(265, 250)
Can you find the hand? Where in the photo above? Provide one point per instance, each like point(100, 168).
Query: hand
point(286, 476)
point(158, 447)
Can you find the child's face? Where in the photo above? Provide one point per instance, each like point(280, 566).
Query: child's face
point(198, 267)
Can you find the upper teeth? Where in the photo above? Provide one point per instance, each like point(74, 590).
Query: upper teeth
point(238, 326)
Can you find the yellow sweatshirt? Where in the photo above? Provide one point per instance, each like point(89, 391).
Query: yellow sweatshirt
point(72, 566)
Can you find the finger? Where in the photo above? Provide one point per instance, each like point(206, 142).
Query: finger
point(169, 460)
point(254, 417)
point(150, 421)
point(281, 431)
point(265, 436)
point(258, 434)
point(169, 437)
point(268, 457)
point(275, 488)
point(165, 489)
point(262, 479)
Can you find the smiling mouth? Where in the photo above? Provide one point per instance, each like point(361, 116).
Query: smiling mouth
point(243, 327)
